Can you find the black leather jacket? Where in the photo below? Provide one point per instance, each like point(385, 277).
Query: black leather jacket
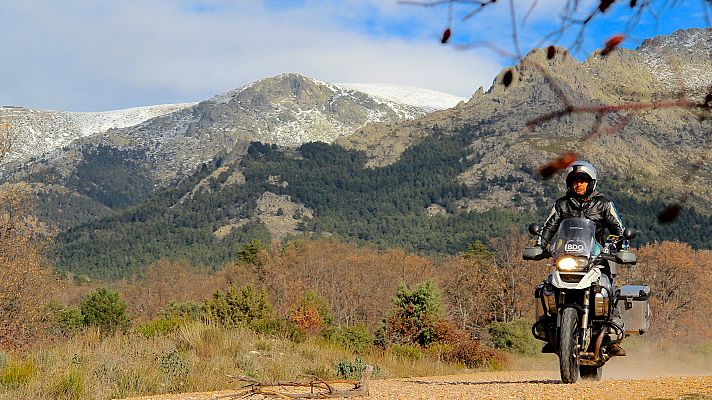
point(597, 208)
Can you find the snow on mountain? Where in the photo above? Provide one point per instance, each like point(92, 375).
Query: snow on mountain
point(682, 60)
point(37, 132)
point(291, 109)
point(417, 97)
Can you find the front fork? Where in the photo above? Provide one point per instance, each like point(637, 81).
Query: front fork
point(584, 333)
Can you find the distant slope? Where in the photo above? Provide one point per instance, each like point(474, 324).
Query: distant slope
point(38, 132)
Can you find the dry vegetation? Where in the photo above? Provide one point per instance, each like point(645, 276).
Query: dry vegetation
point(318, 289)
point(25, 281)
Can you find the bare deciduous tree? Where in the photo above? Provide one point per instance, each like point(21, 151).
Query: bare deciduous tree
point(26, 282)
point(681, 279)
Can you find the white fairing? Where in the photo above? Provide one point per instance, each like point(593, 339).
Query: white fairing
point(592, 276)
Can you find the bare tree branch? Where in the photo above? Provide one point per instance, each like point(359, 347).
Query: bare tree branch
point(319, 388)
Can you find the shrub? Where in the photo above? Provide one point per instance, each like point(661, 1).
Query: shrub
point(355, 338)
point(414, 315)
point(234, 307)
point(352, 369)
point(280, 328)
point(16, 374)
point(472, 355)
point(105, 309)
point(514, 336)
point(312, 313)
point(159, 327)
point(188, 310)
point(67, 319)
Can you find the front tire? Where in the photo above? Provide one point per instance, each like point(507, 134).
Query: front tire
point(590, 373)
point(568, 346)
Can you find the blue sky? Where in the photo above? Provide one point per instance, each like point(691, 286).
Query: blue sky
point(94, 55)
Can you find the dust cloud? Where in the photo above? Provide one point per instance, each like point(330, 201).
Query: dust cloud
point(647, 360)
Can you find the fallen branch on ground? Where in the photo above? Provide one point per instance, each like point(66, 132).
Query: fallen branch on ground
point(319, 389)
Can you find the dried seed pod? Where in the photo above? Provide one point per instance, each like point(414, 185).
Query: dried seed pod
point(446, 36)
point(669, 213)
point(507, 78)
point(604, 4)
point(611, 44)
point(550, 52)
point(556, 165)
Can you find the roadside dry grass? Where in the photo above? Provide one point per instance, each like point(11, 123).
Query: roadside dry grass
point(197, 357)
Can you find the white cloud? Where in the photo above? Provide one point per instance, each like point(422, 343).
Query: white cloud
point(96, 55)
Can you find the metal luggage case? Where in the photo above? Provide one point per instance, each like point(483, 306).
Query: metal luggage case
point(634, 308)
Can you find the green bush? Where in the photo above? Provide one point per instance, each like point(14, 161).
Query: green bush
point(355, 338)
point(515, 336)
point(16, 374)
point(188, 310)
point(65, 320)
point(159, 327)
point(105, 309)
point(352, 369)
point(233, 307)
point(414, 316)
point(69, 320)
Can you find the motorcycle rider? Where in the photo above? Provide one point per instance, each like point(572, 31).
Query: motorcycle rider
point(583, 201)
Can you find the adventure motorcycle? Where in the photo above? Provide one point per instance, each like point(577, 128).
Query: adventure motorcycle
point(579, 313)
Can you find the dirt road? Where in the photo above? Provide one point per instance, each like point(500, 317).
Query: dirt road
point(520, 385)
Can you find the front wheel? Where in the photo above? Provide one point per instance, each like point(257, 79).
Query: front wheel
point(591, 373)
point(568, 346)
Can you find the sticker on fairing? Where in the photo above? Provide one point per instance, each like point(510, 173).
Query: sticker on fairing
point(575, 246)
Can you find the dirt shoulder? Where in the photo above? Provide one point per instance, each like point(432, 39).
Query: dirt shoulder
point(518, 385)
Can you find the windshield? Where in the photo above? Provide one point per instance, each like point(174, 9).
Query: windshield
point(576, 236)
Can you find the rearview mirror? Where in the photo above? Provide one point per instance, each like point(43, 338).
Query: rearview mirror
point(534, 229)
point(629, 233)
point(626, 257)
point(534, 253)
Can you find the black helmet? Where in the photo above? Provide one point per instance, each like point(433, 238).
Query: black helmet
point(581, 168)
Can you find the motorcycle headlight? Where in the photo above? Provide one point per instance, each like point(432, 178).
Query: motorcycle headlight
point(572, 264)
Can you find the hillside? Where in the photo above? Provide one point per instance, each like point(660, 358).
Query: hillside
point(655, 149)
point(321, 189)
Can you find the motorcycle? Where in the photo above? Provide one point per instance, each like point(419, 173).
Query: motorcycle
point(579, 312)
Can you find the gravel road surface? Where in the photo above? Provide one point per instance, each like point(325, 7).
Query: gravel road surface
point(518, 385)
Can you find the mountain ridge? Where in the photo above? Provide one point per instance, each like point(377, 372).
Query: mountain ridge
point(288, 110)
point(655, 147)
